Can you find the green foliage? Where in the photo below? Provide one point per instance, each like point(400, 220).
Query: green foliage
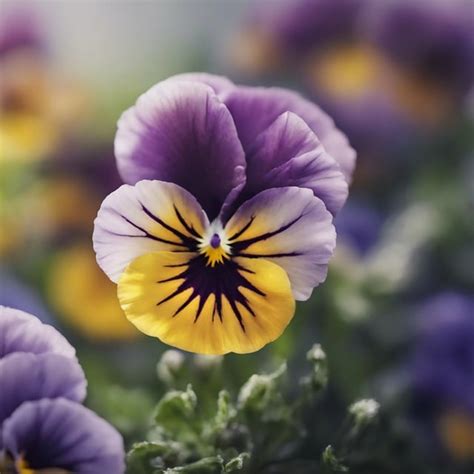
point(331, 463)
point(261, 428)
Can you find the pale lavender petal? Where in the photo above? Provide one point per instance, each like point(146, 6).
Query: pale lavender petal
point(255, 108)
point(181, 132)
point(63, 434)
point(338, 146)
point(148, 217)
point(28, 377)
point(217, 83)
point(290, 227)
point(288, 153)
point(23, 332)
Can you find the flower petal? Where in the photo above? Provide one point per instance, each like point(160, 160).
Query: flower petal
point(290, 227)
point(63, 434)
point(23, 332)
point(254, 109)
point(28, 377)
point(236, 306)
point(288, 153)
point(180, 131)
point(217, 83)
point(148, 217)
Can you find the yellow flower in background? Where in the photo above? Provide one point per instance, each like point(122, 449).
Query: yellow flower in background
point(38, 107)
point(348, 71)
point(456, 429)
point(66, 204)
point(24, 137)
point(85, 298)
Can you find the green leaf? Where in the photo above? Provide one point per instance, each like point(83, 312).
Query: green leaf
point(237, 463)
point(260, 391)
point(175, 414)
point(146, 458)
point(127, 409)
point(225, 410)
point(209, 465)
point(331, 462)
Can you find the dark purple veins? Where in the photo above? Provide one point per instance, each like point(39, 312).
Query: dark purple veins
point(225, 279)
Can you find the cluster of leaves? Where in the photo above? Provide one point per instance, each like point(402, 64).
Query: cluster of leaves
point(262, 429)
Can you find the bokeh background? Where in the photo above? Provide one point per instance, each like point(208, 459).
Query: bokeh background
point(396, 314)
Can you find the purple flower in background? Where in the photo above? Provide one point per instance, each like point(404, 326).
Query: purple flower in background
point(389, 72)
point(282, 33)
point(23, 332)
point(42, 424)
point(359, 226)
point(299, 27)
point(62, 436)
point(19, 29)
point(444, 358)
point(443, 370)
point(28, 377)
point(227, 217)
point(437, 41)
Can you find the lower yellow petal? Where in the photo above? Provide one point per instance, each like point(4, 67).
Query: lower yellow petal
point(163, 299)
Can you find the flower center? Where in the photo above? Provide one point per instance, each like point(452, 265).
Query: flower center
point(22, 467)
point(215, 241)
point(214, 244)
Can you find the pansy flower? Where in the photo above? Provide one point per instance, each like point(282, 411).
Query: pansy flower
point(227, 217)
point(39, 107)
point(43, 426)
point(23, 332)
point(62, 437)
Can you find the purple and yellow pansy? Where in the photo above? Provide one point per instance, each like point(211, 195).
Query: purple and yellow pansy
point(43, 426)
point(226, 219)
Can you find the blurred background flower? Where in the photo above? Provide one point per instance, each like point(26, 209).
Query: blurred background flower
point(389, 72)
point(39, 106)
point(443, 371)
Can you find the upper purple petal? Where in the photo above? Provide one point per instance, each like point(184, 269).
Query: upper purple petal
point(218, 83)
point(288, 153)
point(63, 434)
point(254, 109)
point(23, 332)
point(180, 131)
point(28, 377)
